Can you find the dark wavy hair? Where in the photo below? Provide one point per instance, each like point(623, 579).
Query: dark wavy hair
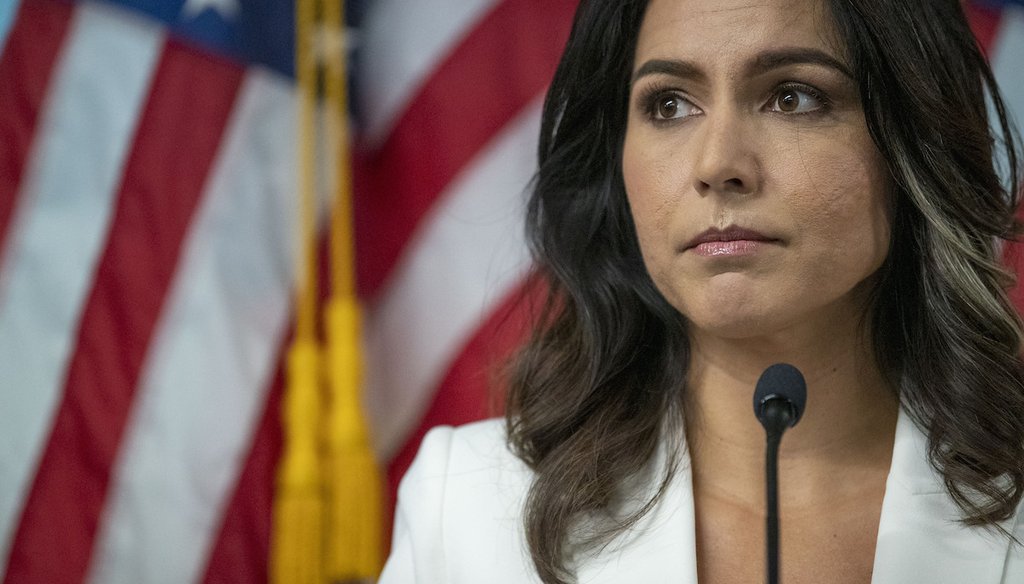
point(600, 382)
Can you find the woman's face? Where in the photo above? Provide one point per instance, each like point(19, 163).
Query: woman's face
point(759, 199)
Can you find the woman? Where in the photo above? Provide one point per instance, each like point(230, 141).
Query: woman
point(724, 185)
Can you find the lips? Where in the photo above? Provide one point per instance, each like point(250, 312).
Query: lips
point(731, 241)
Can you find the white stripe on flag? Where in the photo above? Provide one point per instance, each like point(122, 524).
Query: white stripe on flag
point(469, 254)
point(59, 227)
point(1007, 52)
point(8, 10)
point(403, 43)
point(213, 356)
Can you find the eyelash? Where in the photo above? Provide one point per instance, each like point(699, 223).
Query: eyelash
point(826, 103)
point(651, 96)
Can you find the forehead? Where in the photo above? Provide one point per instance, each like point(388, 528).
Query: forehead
point(712, 31)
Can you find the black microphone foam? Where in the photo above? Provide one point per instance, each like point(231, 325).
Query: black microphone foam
point(785, 382)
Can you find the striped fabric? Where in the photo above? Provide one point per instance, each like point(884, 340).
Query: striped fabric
point(146, 255)
point(144, 275)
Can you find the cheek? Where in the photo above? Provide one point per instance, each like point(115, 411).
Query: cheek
point(653, 189)
point(847, 208)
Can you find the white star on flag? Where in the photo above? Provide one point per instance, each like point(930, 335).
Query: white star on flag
point(228, 9)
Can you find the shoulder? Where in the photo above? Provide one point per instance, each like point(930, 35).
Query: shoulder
point(477, 448)
point(472, 460)
point(472, 473)
point(459, 515)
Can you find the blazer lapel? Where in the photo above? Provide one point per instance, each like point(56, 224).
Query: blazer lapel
point(919, 538)
point(660, 548)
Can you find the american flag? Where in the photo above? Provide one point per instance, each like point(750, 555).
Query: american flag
point(147, 217)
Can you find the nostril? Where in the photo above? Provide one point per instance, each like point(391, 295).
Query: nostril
point(734, 184)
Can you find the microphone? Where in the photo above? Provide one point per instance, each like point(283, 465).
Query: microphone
point(779, 400)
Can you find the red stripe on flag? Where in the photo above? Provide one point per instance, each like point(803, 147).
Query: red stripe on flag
point(26, 66)
point(984, 22)
point(242, 548)
point(178, 137)
point(1013, 257)
point(502, 65)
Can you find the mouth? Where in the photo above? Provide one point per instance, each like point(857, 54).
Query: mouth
point(731, 241)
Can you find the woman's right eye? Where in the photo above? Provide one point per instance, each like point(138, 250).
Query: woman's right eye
point(669, 105)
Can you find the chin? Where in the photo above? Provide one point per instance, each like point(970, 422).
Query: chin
point(730, 311)
point(740, 316)
point(736, 326)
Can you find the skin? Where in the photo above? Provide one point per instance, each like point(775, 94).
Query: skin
point(723, 132)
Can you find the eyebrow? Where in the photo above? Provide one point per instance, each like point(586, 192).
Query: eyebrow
point(762, 63)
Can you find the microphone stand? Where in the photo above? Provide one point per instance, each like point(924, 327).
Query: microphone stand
point(779, 400)
point(777, 417)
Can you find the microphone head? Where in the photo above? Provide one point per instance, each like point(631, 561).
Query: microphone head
point(784, 382)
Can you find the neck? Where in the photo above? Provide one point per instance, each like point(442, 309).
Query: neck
point(843, 441)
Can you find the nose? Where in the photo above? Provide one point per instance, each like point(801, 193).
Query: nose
point(727, 157)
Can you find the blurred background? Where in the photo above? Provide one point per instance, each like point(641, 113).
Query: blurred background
point(151, 249)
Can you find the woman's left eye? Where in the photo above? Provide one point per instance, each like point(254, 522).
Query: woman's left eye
point(797, 100)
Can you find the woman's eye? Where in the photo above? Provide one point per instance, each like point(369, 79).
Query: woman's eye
point(671, 106)
point(797, 100)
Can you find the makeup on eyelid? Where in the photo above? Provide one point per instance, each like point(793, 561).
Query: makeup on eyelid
point(660, 103)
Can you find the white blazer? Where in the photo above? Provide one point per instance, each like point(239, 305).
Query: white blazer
point(459, 521)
